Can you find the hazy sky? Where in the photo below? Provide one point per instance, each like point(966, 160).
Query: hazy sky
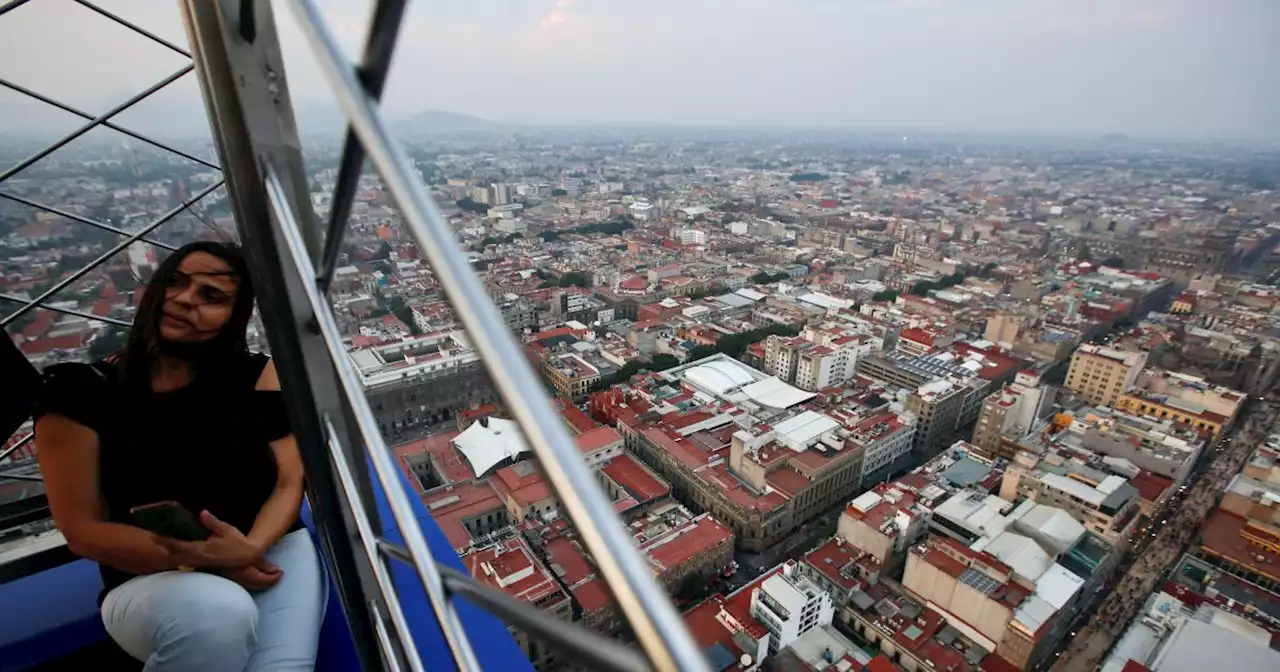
point(1144, 67)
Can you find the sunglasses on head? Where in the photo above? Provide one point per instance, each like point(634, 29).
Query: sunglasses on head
point(205, 294)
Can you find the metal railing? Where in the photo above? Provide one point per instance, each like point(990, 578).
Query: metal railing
point(236, 58)
point(242, 77)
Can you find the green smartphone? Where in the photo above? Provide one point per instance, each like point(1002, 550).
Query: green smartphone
point(169, 519)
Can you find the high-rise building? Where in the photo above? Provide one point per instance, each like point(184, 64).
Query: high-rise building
point(1101, 374)
point(788, 604)
point(482, 195)
point(501, 193)
point(1012, 410)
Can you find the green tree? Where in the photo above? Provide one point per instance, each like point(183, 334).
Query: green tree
point(1113, 262)
point(468, 205)
point(702, 352)
point(762, 278)
point(575, 279)
point(610, 228)
point(559, 192)
point(405, 314)
point(1083, 253)
point(662, 362)
point(886, 295)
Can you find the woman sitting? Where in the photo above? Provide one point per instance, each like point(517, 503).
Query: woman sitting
point(186, 415)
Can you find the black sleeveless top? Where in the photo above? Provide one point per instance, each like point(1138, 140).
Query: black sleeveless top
point(204, 445)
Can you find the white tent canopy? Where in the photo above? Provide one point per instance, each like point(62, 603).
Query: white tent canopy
point(488, 444)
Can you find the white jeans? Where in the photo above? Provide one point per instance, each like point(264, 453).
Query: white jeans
point(197, 622)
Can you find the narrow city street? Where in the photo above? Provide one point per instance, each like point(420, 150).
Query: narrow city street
point(1171, 529)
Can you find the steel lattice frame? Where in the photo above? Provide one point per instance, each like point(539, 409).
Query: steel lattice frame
point(103, 120)
point(235, 54)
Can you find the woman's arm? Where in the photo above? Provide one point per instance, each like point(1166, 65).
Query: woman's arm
point(280, 511)
point(68, 455)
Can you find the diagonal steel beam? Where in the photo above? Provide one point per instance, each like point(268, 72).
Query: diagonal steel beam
point(85, 115)
point(134, 27)
point(68, 311)
point(97, 121)
point(379, 46)
point(14, 448)
point(380, 456)
point(5, 9)
point(648, 609)
point(65, 282)
point(82, 220)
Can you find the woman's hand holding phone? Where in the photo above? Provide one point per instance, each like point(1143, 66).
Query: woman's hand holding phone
point(226, 547)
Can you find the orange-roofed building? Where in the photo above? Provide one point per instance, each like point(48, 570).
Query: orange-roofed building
point(682, 548)
point(510, 566)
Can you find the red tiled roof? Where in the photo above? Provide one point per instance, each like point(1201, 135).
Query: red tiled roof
point(453, 505)
point(917, 335)
point(634, 282)
point(1223, 534)
point(503, 562)
point(447, 459)
point(881, 663)
point(787, 480)
point(673, 550)
point(593, 595)
point(578, 421)
point(1150, 486)
point(46, 345)
point(634, 478)
point(597, 438)
point(829, 558)
point(574, 566)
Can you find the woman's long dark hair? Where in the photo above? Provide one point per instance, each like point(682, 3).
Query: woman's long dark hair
point(225, 349)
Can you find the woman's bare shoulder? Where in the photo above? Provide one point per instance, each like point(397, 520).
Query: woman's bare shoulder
point(268, 381)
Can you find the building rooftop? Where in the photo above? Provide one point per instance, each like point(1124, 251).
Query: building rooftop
point(509, 566)
point(452, 505)
point(842, 563)
point(419, 357)
point(673, 542)
point(1242, 542)
point(636, 479)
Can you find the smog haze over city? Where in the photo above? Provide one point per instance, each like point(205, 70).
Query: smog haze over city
point(898, 334)
point(1147, 68)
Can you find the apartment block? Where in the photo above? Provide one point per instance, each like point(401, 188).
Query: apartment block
point(1012, 411)
point(1020, 613)
point(789, 605)
point(1101, 374)
point(1107, 504)
point(885, 520)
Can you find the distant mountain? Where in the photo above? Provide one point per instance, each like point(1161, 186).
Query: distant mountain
point(441, 121)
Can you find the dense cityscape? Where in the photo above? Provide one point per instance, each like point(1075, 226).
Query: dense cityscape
point(864, 402)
